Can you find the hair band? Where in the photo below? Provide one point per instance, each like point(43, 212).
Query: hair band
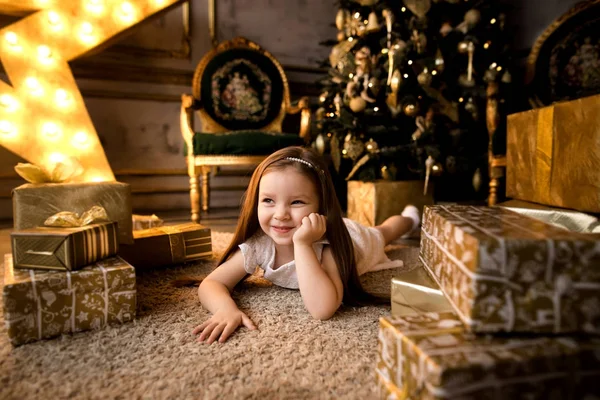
point(319, 170)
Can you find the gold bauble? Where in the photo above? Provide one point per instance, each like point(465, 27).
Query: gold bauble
point(410, 109)
point(340, 19)
point(372, 146)
point(320, 144)
point(341, 36)
point(358, 104)
point(424, 78)
point(472, 17)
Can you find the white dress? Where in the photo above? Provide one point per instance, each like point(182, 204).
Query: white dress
point(369, 251)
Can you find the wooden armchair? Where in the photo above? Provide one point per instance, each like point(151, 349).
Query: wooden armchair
point(241, 95)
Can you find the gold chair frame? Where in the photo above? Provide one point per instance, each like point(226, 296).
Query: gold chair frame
point(201, 165)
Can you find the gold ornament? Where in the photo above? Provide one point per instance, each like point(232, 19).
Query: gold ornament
point(320, 144)
point(373, 24)
point(410, 109)
point(372, 146)
point(424, 78)
point(353, 147)
point(341, 36)
point(340, 19)
point(358, 104)
point(418, 7)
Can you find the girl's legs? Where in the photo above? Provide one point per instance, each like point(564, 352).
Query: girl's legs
point(397, 226)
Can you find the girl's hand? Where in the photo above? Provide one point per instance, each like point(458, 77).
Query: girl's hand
point(312, 229)
point(222, 324)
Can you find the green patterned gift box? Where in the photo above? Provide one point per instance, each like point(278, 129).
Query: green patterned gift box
point(506, 272)
point(44, 304)
point(432, 357)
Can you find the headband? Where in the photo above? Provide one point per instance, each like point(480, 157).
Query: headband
point(309, 164)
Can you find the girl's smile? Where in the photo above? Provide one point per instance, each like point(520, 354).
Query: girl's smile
point(285, 197)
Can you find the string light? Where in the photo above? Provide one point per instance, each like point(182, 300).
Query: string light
point(34, 86)
point(13, 40)
point(44, 53)
point(405, 75)
point(51, 131)
point(54, 18)
point(62, 97)
point(56, 158)
point(7, 128)
point(434, 72)
point(95, 6)
point(351, 75)
point(493, 21)
point(486, 45)
point(8, 102)
point(375, 109)
point(350, 38)
point(403, 9)
point(81, 139)
point(410, 62)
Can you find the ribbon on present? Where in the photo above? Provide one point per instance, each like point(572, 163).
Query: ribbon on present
point(68, 219)
point(58, 173)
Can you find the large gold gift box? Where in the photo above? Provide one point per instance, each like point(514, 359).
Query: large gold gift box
point(34, 203)
point(63, 248)
point(168, 245)
point(553, 155)
point(44, 304)
point(370, 203)
point(431, 357)
point(506, 272)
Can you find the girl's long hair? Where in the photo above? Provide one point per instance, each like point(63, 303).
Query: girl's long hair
point(329, 206)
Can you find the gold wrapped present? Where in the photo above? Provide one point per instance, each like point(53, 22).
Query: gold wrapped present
point(168, 245)
point(34, 203)
point(504, 271)
point(431, 357)
point(141, 222)
point(553, 156)
point(44, 304)
point(64, 248)
point(370, 203)
point(414, 292)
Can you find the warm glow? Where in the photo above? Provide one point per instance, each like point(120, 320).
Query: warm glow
point(34, 86)
point(403, 9)
point(54, 125)
point(493, 21)
point(405, 75)
point(81, 139)
point(62, 97)
point(53, 18)
point(351, 75)
point(434, 72)
point(8, 102)
point(486, 45)
point(7, 128)
point(51, 131)
point(410, 62)
point(375, 109)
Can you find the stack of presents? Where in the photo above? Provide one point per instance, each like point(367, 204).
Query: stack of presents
point(505, 302)
point(76, 248)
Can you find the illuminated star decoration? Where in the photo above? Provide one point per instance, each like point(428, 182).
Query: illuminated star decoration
point(43, 117)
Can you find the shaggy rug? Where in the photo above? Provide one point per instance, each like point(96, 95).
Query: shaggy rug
point(156, 356)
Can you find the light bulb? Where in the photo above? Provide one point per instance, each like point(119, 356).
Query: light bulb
point(87, 28)
point(410, 62)
point(11, 38)
point(44, 52)
point(80, 139)
point(375, 109)
point(8, 102)
point(405, 75)
point(127, 8)
point(51, 131)
point(53, 18)
point(6, 128)
point(493, 21)
point(434, 72)
point(403, 9)
point(34, 86)
point(62, 97)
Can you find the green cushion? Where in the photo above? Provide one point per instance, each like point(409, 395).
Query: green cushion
point(249, 142)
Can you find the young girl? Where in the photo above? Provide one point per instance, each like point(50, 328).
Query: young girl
point(291, 226)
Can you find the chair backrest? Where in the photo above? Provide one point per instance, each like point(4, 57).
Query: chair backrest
point(240, 86)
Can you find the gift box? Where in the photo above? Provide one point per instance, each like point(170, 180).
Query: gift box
point(64, 248)
point(168, 245)
point(370, 203)
point(504, 271)
point(414, 292)
point(33, 203)
point(553, 156)
point(44, 304)
point(431, 356)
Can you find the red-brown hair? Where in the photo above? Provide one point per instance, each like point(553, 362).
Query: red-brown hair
point(329, 206)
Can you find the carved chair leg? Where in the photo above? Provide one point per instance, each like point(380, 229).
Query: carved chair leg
point(195, 198)
point(493, 197)
point(205, 188)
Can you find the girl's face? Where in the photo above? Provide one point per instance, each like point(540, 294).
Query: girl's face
point(285, 197)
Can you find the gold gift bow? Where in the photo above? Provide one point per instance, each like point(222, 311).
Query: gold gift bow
point(60, 172)
point(68, 219)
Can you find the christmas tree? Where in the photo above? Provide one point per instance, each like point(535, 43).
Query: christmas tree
point(414, 91)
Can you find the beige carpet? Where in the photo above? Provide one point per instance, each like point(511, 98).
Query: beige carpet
point(156, 357)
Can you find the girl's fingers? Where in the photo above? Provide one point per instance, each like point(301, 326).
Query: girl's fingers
point(215, 333)
point(248, 322)
point(229, 329)
point(207, 331)
point(200, 328)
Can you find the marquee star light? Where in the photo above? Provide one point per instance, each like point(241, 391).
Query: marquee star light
point(42, 114)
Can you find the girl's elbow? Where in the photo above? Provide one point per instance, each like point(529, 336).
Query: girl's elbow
point(323, 314)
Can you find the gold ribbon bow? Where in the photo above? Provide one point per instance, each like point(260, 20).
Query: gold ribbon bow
point(68, 219)
point(58, 172)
